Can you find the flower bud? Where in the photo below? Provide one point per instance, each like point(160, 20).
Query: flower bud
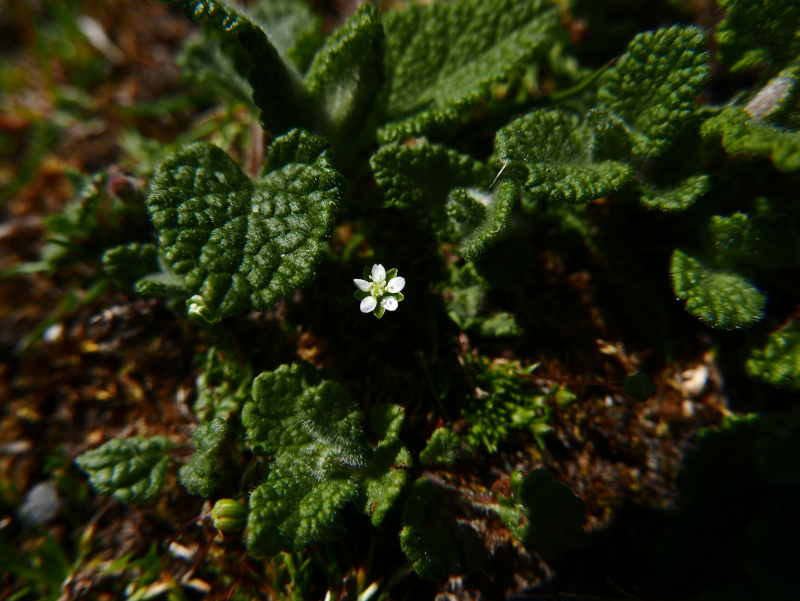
point(228, 514)
point(199, 314)
point(565, 398)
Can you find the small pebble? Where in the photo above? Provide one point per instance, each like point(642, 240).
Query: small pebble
point(41, 504)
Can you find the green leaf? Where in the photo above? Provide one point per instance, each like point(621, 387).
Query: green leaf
point(294, 411)
point(275, 82)
point(463, 301)
point(198, 475)
point(204, 61)
point(444, 446)
point(419, 180)
point(293, 507)
point(444, 193)
point(78, 218)
point(240, 242)
point(383, 483)
point(778, 360)
point(222, 387)
point(126, 264)
point(653, 86)
point(465, 298)
point(639, 386)
point(161, 284)
point(500, 324)
point(443, 58)
point(132, 470)
point(385, 478)
point(346, 75)
point(742, 134)
point(554, 516)
point(720, 298)
point(294, 28)
point(313, 431)
point(425, 537)
point(550, 154)
point(676, 198)
point(768, 238)
point(386, 419)
point(753, 34)
point(498, 206)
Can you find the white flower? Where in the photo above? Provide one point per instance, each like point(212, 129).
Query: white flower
point(382, 290)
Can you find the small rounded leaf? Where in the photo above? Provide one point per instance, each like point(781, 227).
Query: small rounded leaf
point(639, 386)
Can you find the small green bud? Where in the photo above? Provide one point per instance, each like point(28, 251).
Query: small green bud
point(516, 480)
point(228, 514)
point(199, 314)
point(565, 398)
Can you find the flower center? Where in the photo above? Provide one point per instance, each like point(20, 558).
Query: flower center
point(378, 288)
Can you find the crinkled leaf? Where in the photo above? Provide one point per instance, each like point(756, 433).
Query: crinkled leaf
point(418, 180)
point(778, 360)
point(445, 193)
point(498, 206)
point(425, 538)
point(443, 57)
point(676, 198)
point(444, 446)
point(500, 324)
point(769, 239)
point(386, 419)
point(550, 154)
point(132, 470)
point(294, 28)
point(465, 298)
point(77, 219)
point(204, 61)
point(276, 84)
point(653, 86)
point(126, 264)
point(742, 134)
point(222, 387)
point(293, 507)
point(720, 298)
point(238, 241)
point(756, 33)
point(553, 515)
point(347, 73)
point(313, 431)
point(384, 478)
point(198, 475)
point(294, 411)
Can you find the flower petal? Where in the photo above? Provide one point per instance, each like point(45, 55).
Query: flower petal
point(361, 284)
point(389, 303)
point(378, 273)
point(368, 304)
point(396, 284)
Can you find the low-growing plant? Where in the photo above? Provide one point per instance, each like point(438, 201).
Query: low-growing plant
point(472, 125)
